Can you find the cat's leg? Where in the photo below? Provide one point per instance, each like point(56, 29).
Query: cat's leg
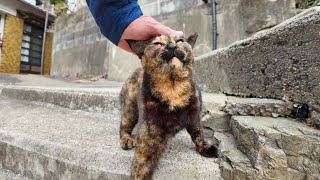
point(129, 109)
point(203, 147)
point(151, 143)
point(129, 119)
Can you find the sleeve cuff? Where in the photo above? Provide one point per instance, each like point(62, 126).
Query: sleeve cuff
point(113, 25)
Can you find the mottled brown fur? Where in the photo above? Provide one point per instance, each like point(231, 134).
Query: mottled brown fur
point(164, 99)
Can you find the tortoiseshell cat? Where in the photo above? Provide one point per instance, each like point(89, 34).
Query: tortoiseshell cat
point(164, 98)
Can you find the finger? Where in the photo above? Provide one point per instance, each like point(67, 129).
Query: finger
point(164, 30)
point(178, 34)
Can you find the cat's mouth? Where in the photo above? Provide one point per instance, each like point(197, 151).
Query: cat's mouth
point(174, 58)
point(175, 62)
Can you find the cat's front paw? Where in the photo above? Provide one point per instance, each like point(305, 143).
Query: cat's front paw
point(208, 150)
point(127, 142)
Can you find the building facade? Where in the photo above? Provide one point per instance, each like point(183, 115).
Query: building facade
point(22, 38)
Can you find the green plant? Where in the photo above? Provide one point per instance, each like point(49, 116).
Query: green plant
point(317, 2)
point(61, 6)
point(305, 4)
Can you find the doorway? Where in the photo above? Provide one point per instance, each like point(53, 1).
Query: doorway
point(31, 49)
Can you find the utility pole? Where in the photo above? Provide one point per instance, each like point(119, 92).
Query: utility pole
point(46, 5)
point(214, 25)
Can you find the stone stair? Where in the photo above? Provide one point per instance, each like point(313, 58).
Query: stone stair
point(54, 130)
point(72, 133)
point(44, 141)
point(278, 147)
point(256, 144)
point(233, 163)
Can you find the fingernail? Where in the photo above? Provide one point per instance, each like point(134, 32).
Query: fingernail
point(179, 33)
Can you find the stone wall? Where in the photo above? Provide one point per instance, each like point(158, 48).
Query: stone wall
point(79, 47)
point(240, 19)
point(11, 48)
point(236, 19)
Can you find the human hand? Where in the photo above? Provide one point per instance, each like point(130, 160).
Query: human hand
point(144, 28)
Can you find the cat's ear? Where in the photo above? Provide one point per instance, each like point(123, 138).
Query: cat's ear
point(138, 46)
point(192, 39)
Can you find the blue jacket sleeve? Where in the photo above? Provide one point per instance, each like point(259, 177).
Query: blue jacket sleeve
point(113, 16)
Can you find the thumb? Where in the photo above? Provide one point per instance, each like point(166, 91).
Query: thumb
point(123, 44)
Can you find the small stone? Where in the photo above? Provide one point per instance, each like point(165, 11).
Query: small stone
point(208, 133)
point(216, 120)
point(314, 119)
point(95, 78)
point(80, 81)
point(275, 115)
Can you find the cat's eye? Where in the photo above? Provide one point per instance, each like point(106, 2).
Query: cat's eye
point(159, 43)
point(180, 40)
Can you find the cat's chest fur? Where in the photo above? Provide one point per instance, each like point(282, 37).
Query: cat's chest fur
point(175, 93)
point(168, 105)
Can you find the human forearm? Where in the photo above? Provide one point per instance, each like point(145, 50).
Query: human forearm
point(113, 16)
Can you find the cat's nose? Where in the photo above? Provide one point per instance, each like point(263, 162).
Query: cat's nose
point(171, 46)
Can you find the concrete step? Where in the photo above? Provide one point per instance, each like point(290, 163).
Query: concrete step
point(219, 120)
point(8, 175)
point(44, 141)
point(88, 99)
point(259, 107)
point(106, 98)
point(278, 148)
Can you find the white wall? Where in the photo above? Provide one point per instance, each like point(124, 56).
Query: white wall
point(31, 1)
point(76, 4)
point(8, 6)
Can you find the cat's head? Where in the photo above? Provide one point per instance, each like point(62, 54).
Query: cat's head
point(165, 53)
